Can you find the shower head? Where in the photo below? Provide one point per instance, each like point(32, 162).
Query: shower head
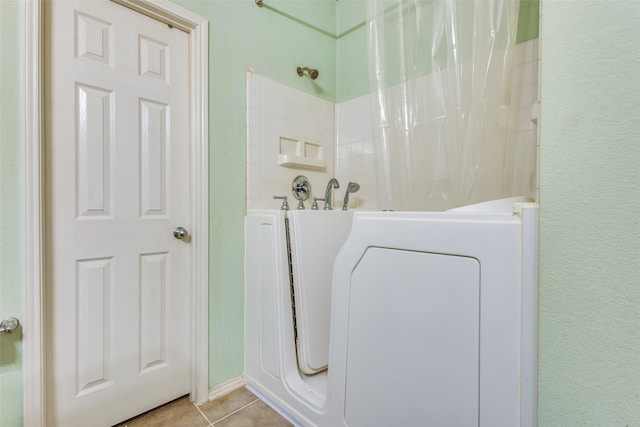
point(312, 72)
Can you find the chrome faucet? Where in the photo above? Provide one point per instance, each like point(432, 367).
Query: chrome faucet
point(351, 188)
point(333, 183)
point(285, 204)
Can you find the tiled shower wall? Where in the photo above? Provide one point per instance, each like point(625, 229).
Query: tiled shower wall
point(354, 149)
point(524, 142)
point(274, 111)
point(354, 142)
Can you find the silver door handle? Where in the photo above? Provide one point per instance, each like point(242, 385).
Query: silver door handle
point(8, 325)
point(180, 233)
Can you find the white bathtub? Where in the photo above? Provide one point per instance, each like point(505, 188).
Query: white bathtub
point(433, 319)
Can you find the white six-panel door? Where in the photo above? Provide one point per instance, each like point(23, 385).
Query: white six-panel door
point(117, 184)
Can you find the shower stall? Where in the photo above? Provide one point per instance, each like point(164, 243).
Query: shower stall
point(416, 305)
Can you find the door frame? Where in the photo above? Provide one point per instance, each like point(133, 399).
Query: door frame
point(33, 188)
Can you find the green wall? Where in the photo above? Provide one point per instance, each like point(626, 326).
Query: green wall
point(589, 341)
point(528, 20)
point(244, 36)
point(351, 50)
point(10, 213)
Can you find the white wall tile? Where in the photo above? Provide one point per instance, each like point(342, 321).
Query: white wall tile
point(274, 111)
point(345, 132)
point(523, 133)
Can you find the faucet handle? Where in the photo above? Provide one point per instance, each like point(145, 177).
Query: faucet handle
point(314, 205)
point(285, 204)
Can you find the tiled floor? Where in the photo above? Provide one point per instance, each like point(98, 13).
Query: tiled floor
point(240, 408)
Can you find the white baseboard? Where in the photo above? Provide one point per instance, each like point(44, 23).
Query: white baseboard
point(226, 387)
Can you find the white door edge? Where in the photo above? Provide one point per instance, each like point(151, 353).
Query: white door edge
point(33, 189)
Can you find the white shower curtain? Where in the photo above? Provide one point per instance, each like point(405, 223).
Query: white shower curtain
point(440, 73)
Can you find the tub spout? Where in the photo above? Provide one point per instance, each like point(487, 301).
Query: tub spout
point(333, 183)
point(351, 188)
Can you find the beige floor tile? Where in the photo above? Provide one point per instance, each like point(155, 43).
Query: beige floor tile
point(258, 414)
point(223, 406)
point(179, 413)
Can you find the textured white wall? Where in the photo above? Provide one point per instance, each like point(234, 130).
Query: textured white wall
point(589, 348)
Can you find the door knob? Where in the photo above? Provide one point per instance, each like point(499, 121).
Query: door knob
point(9, 325)
point(180, 233)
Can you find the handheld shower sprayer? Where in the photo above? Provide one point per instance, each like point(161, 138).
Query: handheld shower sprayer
point(352, 187)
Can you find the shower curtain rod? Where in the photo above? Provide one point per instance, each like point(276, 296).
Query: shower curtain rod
point(262, 4)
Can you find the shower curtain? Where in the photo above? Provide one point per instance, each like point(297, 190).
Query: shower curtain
point(440, 72)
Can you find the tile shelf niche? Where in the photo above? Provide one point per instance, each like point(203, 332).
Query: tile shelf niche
point(298, 154)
